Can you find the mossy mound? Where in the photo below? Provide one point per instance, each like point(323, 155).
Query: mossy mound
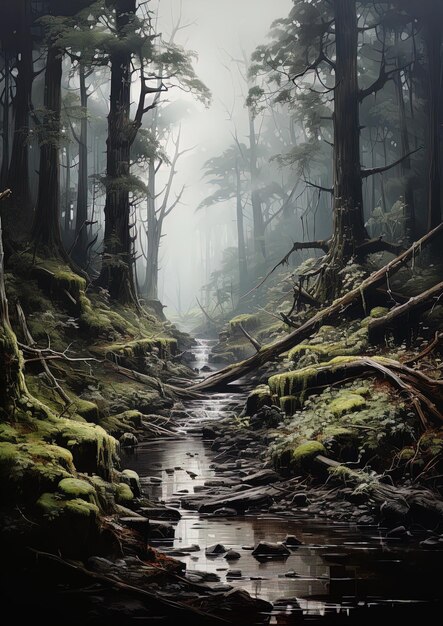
point(135, 353)
point(258, 398)
point(28, 469)
point(124, 494)
point(354, 421)
point(76, 488)
point(330, 342)
point(304, 454)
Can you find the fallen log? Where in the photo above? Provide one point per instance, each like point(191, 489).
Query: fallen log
point(425, 394)
point(250, 338)
point(416, 304)
point(352, 298)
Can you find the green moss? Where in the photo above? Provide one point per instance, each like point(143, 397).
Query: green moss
point(305, 453)
point(123, 493)
point(246, 320)
point(76, 488)
point(52, 507)
point(289, 382)
point(288, 404)
point(137, 350)
point(378, 311)
point(94, 451)
point(87, 410)
point(346, 403)
point(8, 433)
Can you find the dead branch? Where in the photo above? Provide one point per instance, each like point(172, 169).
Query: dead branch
point(422, 302)
point(250, 338)
point(352, 298)
point(31, 343)
point(438, 338)
point(371, 171)
point(370, 246)
point(208, 317)
point(299, 245)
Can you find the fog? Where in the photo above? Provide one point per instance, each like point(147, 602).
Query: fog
point(218, 32)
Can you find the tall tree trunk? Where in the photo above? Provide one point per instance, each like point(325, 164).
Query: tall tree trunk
point(12, 383)
point(117, 270)
point(154, 236)
point(18, 175)
point(67, 202)
point(46, 226)
point(348, 223)
point(405, 165)
point(5, 125)
point(242, 261)
point(433, 39)
point(257, 213)
point(81, 233)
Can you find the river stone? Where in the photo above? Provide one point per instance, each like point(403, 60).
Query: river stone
point(268, 549)
point(291, 541)
point(128, 440)
point(263, 477)
point(299, 499)
point(232, 555)
point(394, 513)
point(161, 530)
point(215, 550)
point(234, 573)
point(400, 532)
point(137, 523)
point(225, 512)
point(161, 513)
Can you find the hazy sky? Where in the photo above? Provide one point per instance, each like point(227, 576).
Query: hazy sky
point(219, 29)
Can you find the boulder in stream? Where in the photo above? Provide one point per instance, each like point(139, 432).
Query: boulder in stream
point(271, 550)
point(215, 550)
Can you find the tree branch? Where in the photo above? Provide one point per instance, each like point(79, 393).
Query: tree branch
point(366, 172)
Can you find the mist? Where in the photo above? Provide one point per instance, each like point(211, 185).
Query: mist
point(220, 33)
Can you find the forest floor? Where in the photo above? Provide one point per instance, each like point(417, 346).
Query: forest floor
point(332, 429)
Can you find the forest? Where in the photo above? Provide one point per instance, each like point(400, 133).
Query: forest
point(221, 311)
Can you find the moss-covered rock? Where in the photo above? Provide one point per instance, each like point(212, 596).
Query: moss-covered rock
point(123, 494)
point(72, 488)
point(346, 403)
point(305, 453)
point(288, 404)
point(88, 410)
point(28, 469)
point(258, 398)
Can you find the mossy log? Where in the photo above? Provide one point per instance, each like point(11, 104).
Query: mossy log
point(351, 299)
point(412, 307)
point(424, 393)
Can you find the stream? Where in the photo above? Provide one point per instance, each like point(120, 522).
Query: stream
point(340, 574)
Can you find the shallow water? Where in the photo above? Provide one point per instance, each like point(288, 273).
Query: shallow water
point(338, 569)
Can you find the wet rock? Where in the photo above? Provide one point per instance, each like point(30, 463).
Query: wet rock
point(291, 541)
point(232, 555)
point(132, 479)
point(161, 513)
point(263, 477)
point(234, 574)
point(225, 512)
point(394, 513)
point(366, 520)
point(291, 574)
point(138, 523)
point(271, 550)
point(400, 532)
point(206, 368)
point(258, 398)
point(432, 543)
point(266, 417)
point(128, 440)
point(215, 550)
point(197, 576)
point(161, 530)
point(299, 499)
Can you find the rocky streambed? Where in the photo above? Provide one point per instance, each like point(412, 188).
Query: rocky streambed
point(312, 553)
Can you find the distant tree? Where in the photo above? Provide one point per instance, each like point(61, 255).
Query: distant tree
point(316, 47)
